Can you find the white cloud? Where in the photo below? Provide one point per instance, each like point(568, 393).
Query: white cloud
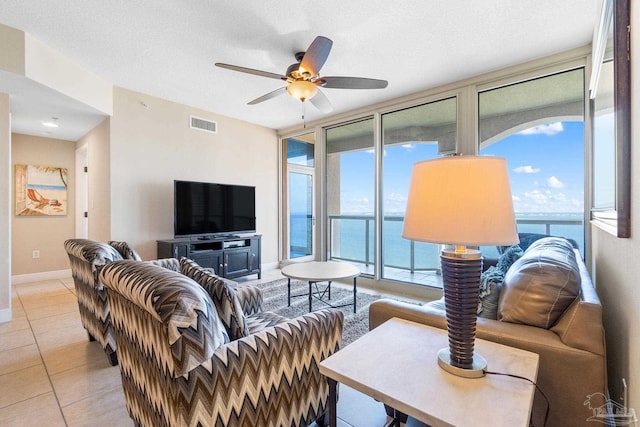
point(408, 147)
point(554, 182)
point(396, 197)
point(526, 169)
point(547, 129)
point(395, 203)
point(353, 204)
point(372, 151)
point(547, 199)
point(537, 197)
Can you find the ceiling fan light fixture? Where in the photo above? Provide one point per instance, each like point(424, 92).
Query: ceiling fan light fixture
point(302, 89)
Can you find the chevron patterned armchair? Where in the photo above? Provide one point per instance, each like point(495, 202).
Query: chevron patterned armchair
point(185, 361)
point(86, 257)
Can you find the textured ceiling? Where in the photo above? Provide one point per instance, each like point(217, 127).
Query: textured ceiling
point(167, 48)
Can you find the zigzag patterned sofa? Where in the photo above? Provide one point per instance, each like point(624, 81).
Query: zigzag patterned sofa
point(86, 257)
point(181, 367)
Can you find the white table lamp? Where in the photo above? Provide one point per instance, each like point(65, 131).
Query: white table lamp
point(461, 201)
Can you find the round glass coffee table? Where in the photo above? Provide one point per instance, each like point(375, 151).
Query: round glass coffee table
point(315, 272)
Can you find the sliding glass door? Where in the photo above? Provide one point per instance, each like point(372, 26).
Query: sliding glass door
point(301, 219)
point(298, 200)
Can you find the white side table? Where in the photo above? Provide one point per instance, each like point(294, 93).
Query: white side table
point(396, 364)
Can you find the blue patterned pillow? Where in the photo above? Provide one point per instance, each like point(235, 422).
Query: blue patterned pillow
point(490, 285)
point(508, 257)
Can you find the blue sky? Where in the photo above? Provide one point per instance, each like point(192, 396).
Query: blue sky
point(546, 166)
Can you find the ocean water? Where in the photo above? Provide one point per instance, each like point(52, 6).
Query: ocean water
point(350, 238)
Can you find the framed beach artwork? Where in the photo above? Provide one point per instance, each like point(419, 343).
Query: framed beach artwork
point(41, 190)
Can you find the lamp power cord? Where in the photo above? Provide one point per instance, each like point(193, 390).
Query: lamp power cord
point(546, 399)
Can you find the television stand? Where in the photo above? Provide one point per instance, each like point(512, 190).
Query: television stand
point(229, 256)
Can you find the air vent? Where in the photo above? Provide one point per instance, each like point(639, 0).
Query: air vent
point(203, 124)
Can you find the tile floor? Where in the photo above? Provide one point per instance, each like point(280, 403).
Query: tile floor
point(50, 374)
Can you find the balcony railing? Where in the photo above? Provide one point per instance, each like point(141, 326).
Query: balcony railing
point(351, 238)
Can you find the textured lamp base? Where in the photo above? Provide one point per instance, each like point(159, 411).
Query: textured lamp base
point(477, 369)
point(461, 285)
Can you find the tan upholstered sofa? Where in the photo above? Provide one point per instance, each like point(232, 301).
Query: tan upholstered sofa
point(192, 354)
point(572, 351)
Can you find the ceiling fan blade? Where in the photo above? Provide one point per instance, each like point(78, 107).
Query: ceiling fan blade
point(316, 55)
point(250, 71)
point(352, 83)
point(321, 102)
point(269, 95)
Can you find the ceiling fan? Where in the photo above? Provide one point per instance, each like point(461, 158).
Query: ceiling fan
point(303, 79)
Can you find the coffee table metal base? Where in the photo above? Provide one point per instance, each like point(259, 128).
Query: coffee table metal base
point(315, 272)
point(321, 294)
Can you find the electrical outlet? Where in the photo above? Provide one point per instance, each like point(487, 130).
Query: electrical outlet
point(36, 254)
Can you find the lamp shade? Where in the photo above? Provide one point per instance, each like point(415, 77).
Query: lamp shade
point(461, 200)
point(302, 89)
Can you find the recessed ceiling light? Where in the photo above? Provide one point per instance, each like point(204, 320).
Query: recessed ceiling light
point(53, 123)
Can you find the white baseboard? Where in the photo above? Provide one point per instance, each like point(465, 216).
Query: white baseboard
point(5, 315)
point(36, 277)
point(269, 266)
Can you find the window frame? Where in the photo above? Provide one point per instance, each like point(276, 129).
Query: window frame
point(467, 142)
point(616, 13)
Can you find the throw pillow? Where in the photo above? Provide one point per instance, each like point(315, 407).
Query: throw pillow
point(490, 285)
point(223, 295)
point(491, 282)
point(526, 239)
point(125, 250)
point(508, 257)
point(540, 285)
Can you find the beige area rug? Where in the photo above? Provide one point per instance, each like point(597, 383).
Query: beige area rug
point(355, 325)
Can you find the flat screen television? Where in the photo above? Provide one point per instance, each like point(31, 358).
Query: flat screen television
point(204, 210)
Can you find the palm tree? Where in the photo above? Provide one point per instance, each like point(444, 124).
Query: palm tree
point(50, 169)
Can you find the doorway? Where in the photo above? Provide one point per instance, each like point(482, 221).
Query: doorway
point(82, 193)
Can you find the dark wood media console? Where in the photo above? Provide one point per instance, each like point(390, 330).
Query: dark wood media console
point(230, 257)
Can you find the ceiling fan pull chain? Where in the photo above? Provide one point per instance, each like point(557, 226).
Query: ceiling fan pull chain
point(304, 120)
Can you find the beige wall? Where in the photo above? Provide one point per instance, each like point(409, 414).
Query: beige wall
point(66, 76)
point(12, 52)
point(616, 267)
point(44, 233)
point(26, 56)
point(98, 146)
point(5, 209)
point(152, 145)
